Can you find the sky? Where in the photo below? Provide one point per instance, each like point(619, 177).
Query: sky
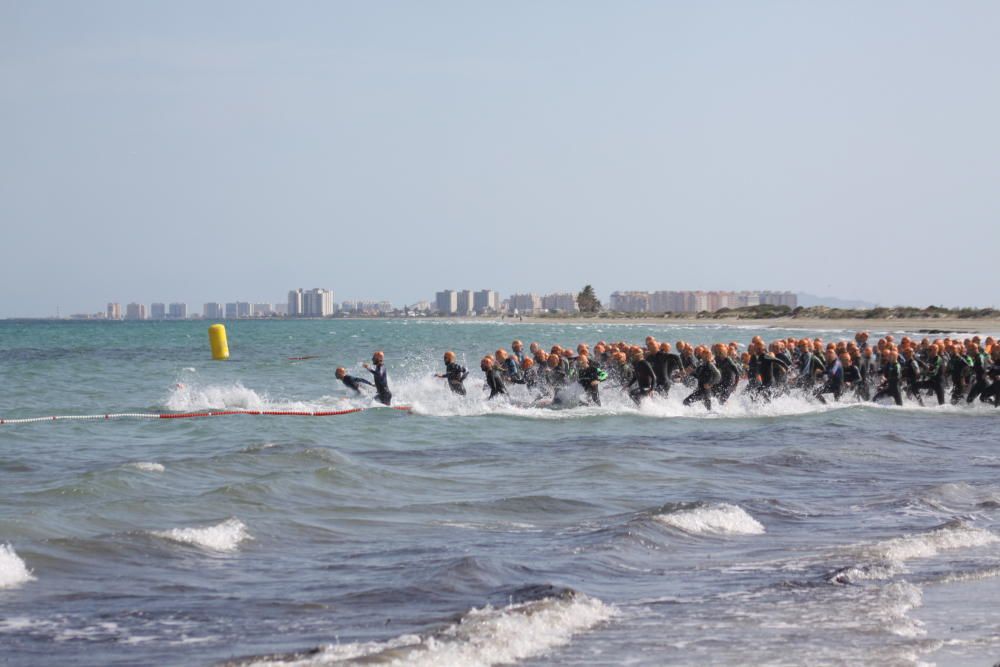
point(223, 151)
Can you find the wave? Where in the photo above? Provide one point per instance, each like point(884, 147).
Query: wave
point(956, 535)
point(721, 519)
point(886, 559)
point(482, 636)
point(223, 537)
point(146, 466)
point(13, 571)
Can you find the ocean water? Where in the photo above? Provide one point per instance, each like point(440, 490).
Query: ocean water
point(467, 533)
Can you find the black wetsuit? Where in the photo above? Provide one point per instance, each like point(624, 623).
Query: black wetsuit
point(853, 379)
point(644, 378)
point(809, 366)
point(934, 377)
point(494, 380)
point(382, 393)
point(730, 377)
point(959, 367)
point(510, 370)
point(456, 374)
point(659, 363)
point(869, 373)
point(354, 383)
point(586, 377)
point(834, 383)
point(980, 363)
point(689, 363)
point(768, 366)
point(707, 376)
point(911, 378)
point(753, 377)
point(992, 393)
point(891, 371)
point(622, 374)
point(528, 377)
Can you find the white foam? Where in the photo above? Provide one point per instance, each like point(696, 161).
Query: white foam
point(225, 536)
point(146, 466)
point(13, 571)
point(483, 636)
point(926, 545)
point(235, 396)
point(977, 575)
point(721, 519)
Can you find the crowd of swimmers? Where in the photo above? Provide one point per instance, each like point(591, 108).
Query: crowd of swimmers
point(961, 371)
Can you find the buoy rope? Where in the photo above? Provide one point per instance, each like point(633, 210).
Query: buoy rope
point(194, 415)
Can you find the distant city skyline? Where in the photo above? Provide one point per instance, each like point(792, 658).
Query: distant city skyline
point(320, 302)
point(190, 151)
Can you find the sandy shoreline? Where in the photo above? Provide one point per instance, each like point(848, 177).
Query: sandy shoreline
point(943, 324)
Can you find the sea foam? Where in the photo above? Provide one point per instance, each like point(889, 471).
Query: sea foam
point(926, 545)
point(482, 636)
point(224, 537)
point(146, 466)
point(721, 519)
point(13, 571)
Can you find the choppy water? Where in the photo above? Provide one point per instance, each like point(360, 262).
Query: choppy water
point(467, 533)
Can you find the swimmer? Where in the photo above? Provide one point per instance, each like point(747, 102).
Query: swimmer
point(643, 377)
point(454, 373)
point(494, 380)
point(707, 376)
point(350, 381)
point(382, 393)
point(589, 377)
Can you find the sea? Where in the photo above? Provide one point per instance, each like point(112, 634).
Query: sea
point(467, 532)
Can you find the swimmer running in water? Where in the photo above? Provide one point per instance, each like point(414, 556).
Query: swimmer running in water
point(494, 380)
point(382, 393)
point(454, 373)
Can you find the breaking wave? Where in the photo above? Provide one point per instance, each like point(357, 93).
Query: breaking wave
point(721, 519)
point(886, 559)
point(13, 571)
point(223, 537)
point(482, 636)
point(954, 535)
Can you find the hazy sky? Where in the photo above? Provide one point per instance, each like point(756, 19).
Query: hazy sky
point(215, 151)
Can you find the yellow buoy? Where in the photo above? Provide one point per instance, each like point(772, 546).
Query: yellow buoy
point(217, 339)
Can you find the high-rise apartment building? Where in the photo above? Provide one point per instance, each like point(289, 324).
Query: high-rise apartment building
point(525, 303)
point(486, 301)
point(114, 311)
point(157, 311)
point(212, 311)
point(464, 302)
point(135, 311)
point(563, 302)
point(696, 301)
point(295, 303)
point(446, 302)
point(177, 311)
point(262, 310)
point(789, 299)
point(317, 302)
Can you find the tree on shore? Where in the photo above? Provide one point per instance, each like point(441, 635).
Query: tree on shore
point(587, 301)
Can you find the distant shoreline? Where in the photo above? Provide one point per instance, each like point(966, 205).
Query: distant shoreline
point(943, 324)
point(928, 325)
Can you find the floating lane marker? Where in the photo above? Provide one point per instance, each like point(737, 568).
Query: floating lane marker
point(195, 415)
